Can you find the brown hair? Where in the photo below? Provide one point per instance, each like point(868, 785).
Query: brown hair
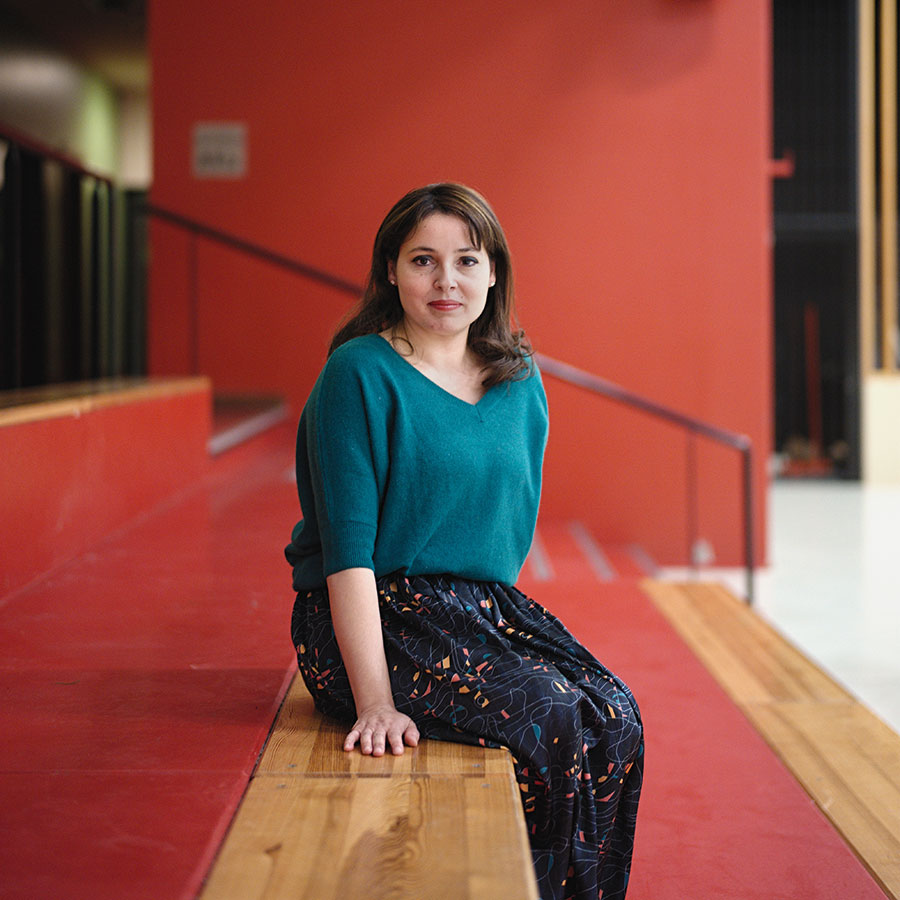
point(493, 336)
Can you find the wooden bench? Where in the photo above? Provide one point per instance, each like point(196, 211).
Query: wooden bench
point(442, 820)
point(845, 757)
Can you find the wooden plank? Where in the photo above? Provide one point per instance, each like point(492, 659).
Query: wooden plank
point(866, 184)
point(848, 762)
point(845, 757)
point(888, 182)
point(304, 742)
point(442, 820)
point(407, 836)
point(749, 658)
point(77, 399)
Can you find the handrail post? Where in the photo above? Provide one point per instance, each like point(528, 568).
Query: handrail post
point(692, 501)
point(194, 324)
point(749, 557)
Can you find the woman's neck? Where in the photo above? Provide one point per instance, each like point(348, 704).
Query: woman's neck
point(447, 361)
point(438, 352)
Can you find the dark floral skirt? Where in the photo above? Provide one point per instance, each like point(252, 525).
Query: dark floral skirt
point(481, 663)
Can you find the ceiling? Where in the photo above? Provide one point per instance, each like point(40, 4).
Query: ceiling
point(107, 36)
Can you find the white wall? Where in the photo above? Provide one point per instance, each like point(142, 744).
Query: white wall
point(135, 141)
point(881, 429)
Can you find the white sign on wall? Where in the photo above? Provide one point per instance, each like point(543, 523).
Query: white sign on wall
point(220, 149)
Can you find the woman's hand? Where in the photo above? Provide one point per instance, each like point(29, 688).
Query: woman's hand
point(357, 626)
point(378, 727)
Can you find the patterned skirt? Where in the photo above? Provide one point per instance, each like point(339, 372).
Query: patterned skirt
point(481, 663)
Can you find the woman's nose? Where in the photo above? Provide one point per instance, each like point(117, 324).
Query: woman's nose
point(445, 277)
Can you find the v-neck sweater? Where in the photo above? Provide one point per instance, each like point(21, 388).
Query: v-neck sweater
point(396, 474)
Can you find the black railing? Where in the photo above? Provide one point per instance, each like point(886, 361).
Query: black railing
point(548, 365)
point(739, 442)
point(70, 291)
point(200, 230)
point(251, 249)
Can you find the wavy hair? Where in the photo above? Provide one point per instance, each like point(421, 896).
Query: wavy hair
point(493, 336)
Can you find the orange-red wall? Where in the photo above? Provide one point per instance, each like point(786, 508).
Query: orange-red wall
point(623, 144)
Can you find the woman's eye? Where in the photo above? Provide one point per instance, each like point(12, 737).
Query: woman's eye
point(421, 260)
point(468, 261)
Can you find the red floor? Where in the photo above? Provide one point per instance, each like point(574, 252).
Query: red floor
point(138, 684)
point(721, 818)
point(139, 681)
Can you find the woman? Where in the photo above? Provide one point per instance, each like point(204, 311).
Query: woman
point(419, 459)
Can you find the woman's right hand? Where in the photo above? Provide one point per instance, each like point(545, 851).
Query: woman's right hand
point(379, 727)
point(357, 625)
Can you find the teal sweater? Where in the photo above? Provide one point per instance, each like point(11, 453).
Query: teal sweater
point(396, 474)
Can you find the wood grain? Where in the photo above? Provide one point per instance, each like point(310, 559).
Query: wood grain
point(304, 742)
point(867, 215)
point(407, 836)
point(77, 399)
point(844, 756)
point(442, 820)
point(887, 91)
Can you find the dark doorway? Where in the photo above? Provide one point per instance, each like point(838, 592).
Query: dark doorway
point(815, 228)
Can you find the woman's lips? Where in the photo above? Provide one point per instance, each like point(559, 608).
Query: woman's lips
point(445, 304)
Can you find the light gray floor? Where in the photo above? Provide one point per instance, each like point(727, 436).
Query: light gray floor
point(832, 586)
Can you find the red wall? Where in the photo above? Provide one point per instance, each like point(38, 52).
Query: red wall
point(623, 144)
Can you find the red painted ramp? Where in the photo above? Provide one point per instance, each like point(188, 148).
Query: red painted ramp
point(720, 815)
point(138, 684)
point(139, 681)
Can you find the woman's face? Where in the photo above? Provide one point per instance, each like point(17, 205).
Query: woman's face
point(441, 278)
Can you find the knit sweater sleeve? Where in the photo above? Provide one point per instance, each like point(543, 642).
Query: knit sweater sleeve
point(345, 464)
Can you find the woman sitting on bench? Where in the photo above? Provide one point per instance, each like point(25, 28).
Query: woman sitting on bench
point(419, 459)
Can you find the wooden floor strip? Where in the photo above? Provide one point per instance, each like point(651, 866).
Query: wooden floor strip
point(845, 757)
point(76, 399)
point(442, 820)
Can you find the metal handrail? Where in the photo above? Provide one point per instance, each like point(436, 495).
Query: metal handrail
point(251, 249)
point(740, 442)
point(548, 366)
